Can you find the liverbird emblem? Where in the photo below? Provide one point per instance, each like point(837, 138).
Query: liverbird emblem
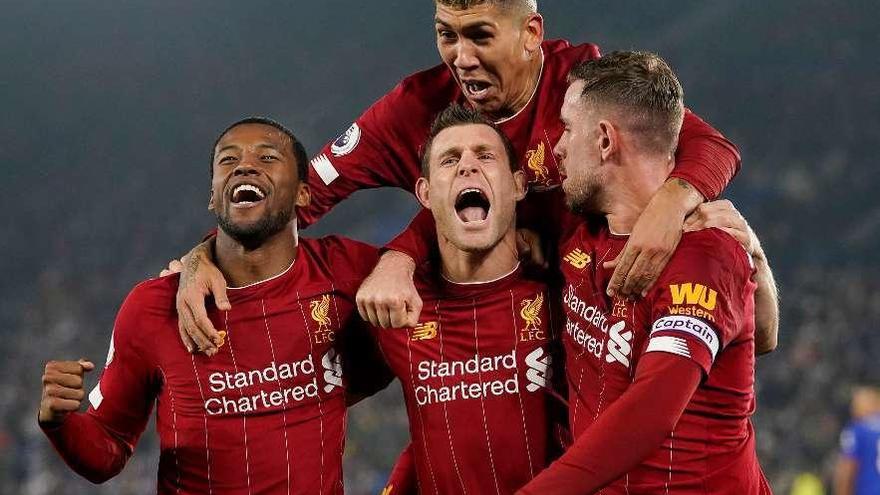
point(531, 312)
point(535, 159)
point(320, 310)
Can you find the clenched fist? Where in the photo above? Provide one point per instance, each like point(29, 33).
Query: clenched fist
point(62, 389)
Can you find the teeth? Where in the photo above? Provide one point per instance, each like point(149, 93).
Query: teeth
point(470, 190)
point(248, 187)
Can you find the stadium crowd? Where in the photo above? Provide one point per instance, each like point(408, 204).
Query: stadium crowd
point(810, 201)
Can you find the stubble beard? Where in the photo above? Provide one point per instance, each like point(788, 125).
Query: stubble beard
point(253, 235)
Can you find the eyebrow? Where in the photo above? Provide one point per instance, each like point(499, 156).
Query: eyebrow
point(236, 147)
point(466, 27)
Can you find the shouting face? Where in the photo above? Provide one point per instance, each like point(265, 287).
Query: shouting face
point(255, 186)
point(489, 49)
point(471, 189)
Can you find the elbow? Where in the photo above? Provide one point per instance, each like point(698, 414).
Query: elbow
point(767, 343)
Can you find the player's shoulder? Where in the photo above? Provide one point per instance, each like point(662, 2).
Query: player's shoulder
point(429, 89)
point(149, 305)
point(710, 252)
point(155, 292)
point(332, 246)
point(340, 258)
point(562, 55)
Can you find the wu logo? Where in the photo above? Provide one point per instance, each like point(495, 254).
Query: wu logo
point(694, 294)
point(320, 311)
point(578, 259)
point(425, 331)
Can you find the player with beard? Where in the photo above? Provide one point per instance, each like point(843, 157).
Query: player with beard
point(476, 369)
point(495, 60)
point(267, 413)
point(661, 388)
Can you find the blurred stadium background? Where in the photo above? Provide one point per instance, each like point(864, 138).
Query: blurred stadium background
point(109, 110)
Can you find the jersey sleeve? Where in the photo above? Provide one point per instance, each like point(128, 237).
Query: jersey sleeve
point(363, 365)
point(418, 239)
point(704, 158)
point(375, 151)
point(402, 480)
point(98, 443)
point(350, 262)
point(700, 303)
point(849, 442)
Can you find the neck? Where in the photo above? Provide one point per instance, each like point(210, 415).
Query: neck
point(531, 76)
point(474, 267)
point(243, 266)
point(640, 177)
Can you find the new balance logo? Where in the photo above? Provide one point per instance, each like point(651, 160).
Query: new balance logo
point(694, 294)
point(425, 331)
point(332, 363)
point(619, 344)
point(539, 372)
point(578, 259)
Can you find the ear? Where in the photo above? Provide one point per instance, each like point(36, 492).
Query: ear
point(422, 187)
point(609, 139)
point(534, 32)
point(211, 200)
point(519, 180)
point(303, 195)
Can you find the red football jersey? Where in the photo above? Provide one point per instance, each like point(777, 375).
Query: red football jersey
point(476, 378)
point(381, 148)
point(266, 415)
point(701, 308)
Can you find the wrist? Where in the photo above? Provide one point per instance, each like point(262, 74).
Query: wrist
point(679, 196)
point(398, 259)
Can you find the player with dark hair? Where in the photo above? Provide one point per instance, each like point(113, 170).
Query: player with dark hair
point(266, 414)
point(661, 388)
point(858, 470)
point(476, 370)
point(495, 60)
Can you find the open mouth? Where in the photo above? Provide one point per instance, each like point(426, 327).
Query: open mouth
point(472, 205)
point(247, 195)
point(476, 89)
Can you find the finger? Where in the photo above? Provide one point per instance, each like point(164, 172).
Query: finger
point(202, 343)
point(175, 266)
point(165, 273)
point(622, 269)
point(57, 391)
point(413, 311)
point(384, 316)
point(204, 325)
point(371, 315)
point(62, 405)
point(218, 289)
point(652, 274)
point(362, 308)
point(64, 380)
point(184, 337)
point(398, 315)
point(634, 279)
point(86, 365)
point(64, 367)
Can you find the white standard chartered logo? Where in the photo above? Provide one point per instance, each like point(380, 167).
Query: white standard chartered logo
point(271, 387)
point(539, 372)
point(332, 363)
point(619, 344)
point(619, 341)
point(477, 377)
